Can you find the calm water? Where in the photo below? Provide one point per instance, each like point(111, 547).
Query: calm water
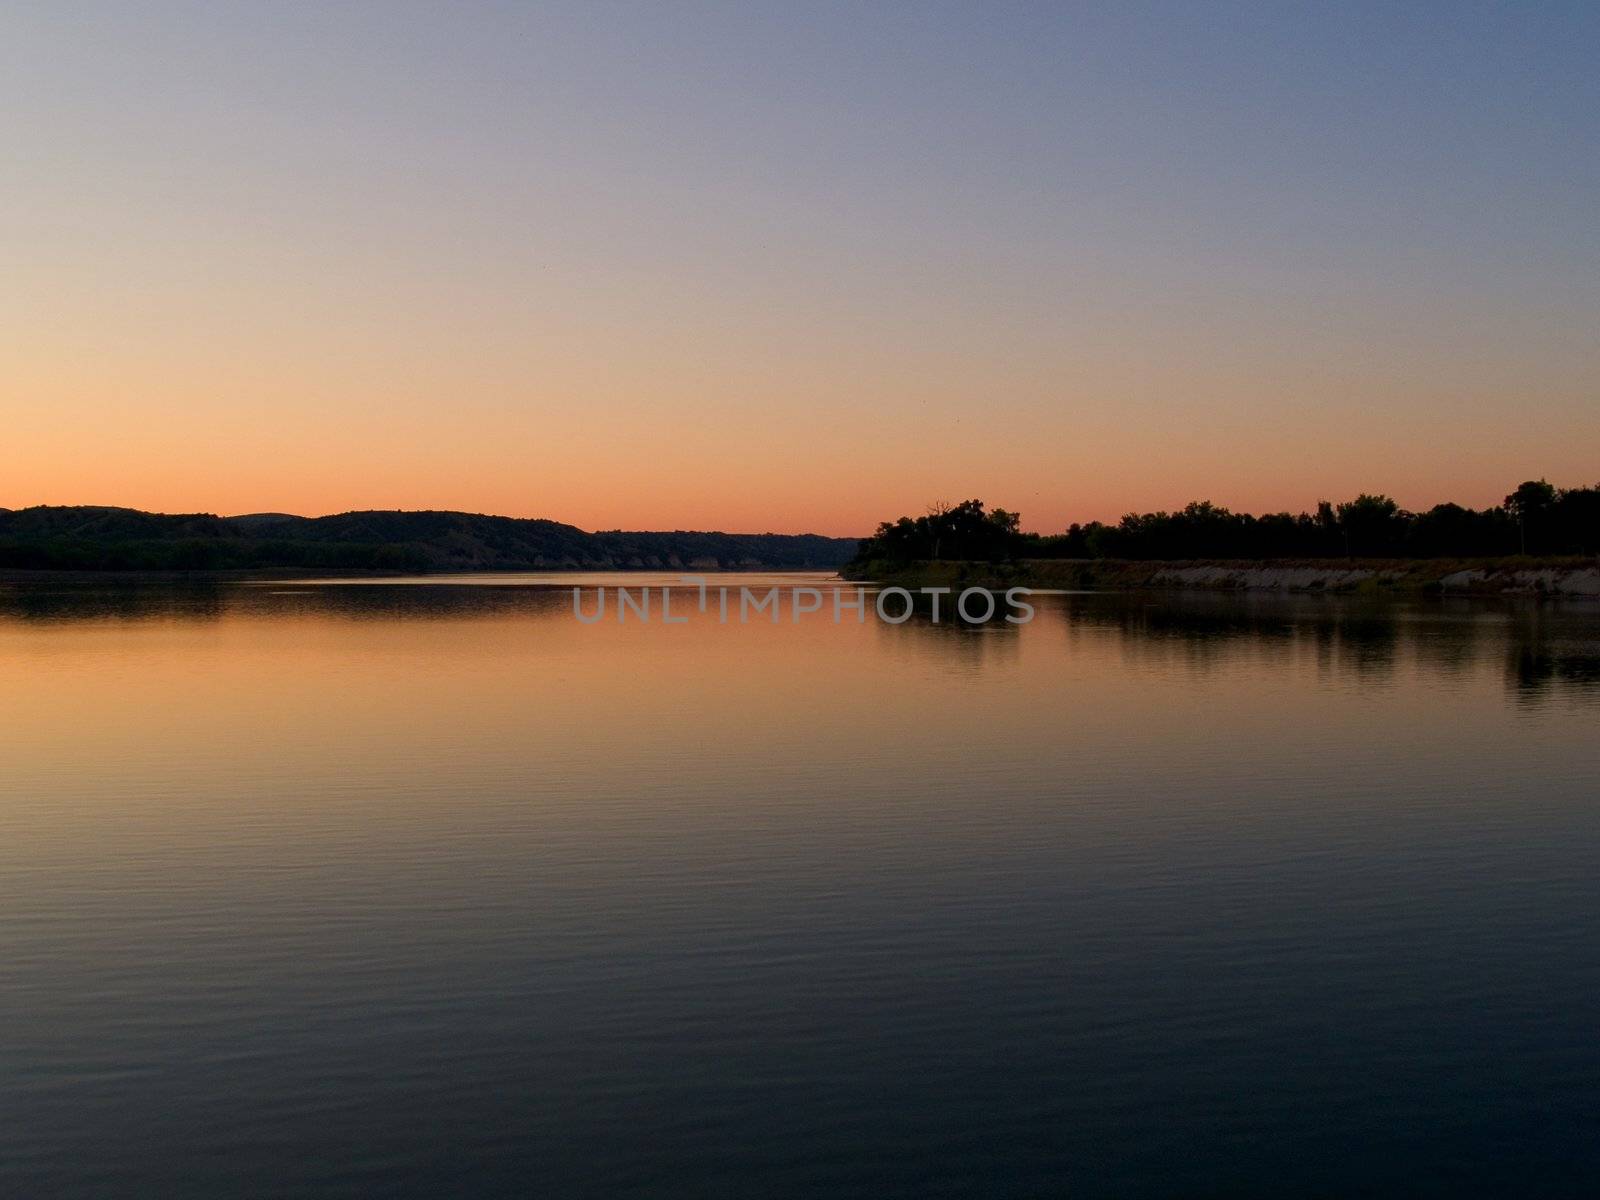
point(427, 889)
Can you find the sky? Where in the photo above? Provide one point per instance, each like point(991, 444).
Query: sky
point(795, 266)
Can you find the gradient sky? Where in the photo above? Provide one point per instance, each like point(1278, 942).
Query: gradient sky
point(795, 266)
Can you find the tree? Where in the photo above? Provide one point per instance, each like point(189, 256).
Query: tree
point(964, 531)
point(1576, 520)
point(1543, 519)
point(1530, 504)
point(1372, 525)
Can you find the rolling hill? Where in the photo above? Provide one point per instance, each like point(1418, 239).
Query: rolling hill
point(94, 538)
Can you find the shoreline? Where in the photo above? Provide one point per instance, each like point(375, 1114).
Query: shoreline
point(16, 575)
point(1519, 576)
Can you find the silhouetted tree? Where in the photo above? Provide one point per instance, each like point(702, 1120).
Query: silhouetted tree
point(1373, 526)
point(1556, 522)
point(1576, 520)
point(1530, 507)
point(960, 531)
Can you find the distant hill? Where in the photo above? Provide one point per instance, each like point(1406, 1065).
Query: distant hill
point(91, 538)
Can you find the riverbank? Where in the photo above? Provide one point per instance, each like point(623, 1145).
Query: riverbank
point(1479, 577)
point(19, 576)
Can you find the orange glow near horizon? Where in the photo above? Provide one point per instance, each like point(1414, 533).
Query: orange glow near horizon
point(791, 443)
point(542, 263)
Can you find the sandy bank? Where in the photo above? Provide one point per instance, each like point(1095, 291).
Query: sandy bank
point(1495, 577)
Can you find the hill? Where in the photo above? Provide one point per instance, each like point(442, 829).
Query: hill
point(94, 538)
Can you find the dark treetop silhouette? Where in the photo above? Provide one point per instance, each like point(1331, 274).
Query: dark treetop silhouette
point(1536, 518)
point(125, 539)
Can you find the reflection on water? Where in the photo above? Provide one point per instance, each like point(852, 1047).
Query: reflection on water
point(1542, 646)
point(380, 887)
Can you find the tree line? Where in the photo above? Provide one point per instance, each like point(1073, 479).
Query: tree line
point(1535, 519)
point(122, 539)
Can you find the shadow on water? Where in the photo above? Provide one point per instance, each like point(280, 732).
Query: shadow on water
point(1544, 646)
point(1534, 673)
point(203, 600)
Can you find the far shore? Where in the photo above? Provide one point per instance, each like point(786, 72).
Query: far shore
point(15, 575)
point(57, 575)
point(1518, 576)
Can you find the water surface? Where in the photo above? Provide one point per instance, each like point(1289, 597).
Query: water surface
point(390, 888)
